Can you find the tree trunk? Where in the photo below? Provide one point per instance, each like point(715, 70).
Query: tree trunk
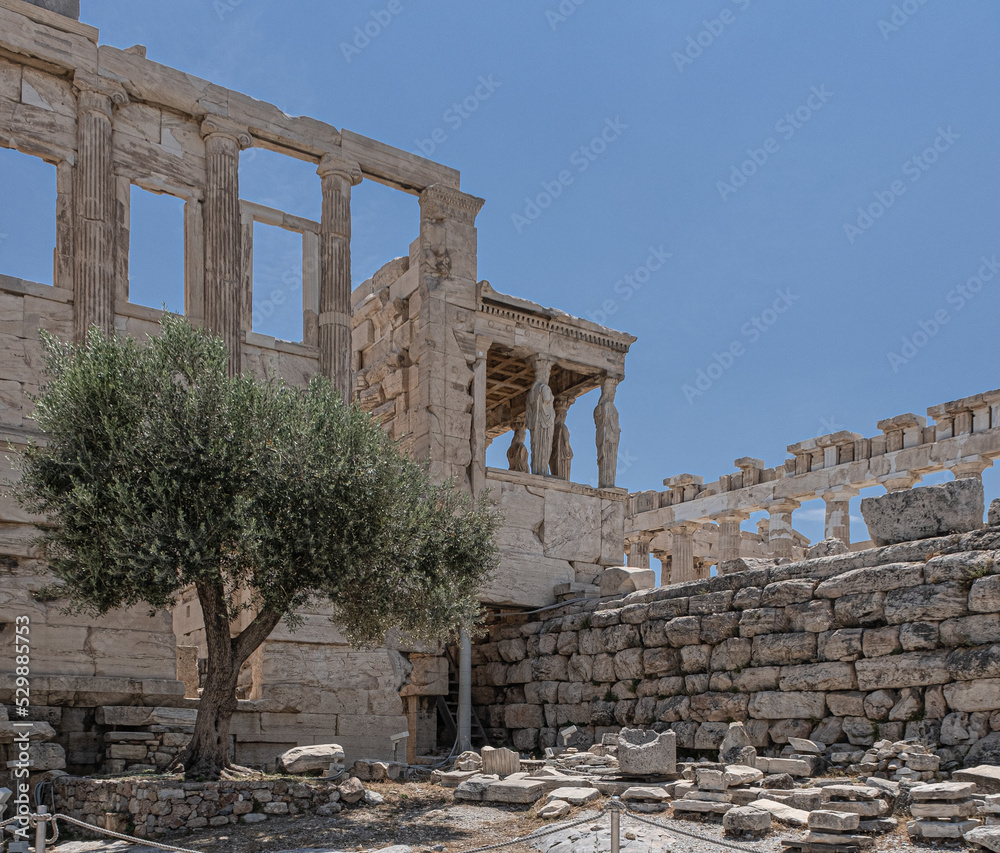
point(208, 753)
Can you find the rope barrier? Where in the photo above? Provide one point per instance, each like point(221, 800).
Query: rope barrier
point(671, 829)
point(145, 842)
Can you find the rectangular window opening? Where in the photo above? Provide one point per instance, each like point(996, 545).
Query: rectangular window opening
point(156, 250)
point(27, 217)
point(277, 282)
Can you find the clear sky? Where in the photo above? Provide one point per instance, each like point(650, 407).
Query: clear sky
point(806, 185)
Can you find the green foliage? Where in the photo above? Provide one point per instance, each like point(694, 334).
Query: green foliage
point(160, 471)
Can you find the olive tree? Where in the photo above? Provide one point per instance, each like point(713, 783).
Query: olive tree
point(159, 472)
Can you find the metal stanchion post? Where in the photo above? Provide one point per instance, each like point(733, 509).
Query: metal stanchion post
point(41, 827)
point(615, 824)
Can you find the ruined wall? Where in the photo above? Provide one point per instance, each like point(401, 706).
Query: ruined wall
point(885, 643)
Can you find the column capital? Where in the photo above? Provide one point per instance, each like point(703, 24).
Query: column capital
point(899, 481)
point(336, 163)
point(98, 94)
point(783, 505)
point(732, 515)
point(226, 128)
point(442, 202)
point(969, 466)
point(839, 493)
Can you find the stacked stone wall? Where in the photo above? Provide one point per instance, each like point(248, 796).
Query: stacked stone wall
point(894, 642)
point(148, 808)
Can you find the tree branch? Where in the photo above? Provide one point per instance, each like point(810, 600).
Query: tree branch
point(255, 633)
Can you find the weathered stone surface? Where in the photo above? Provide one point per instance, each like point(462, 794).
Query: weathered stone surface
point(473, 788)
point(736, 747)
point(869, 580)
point(818, 676)
point(621, 580)
point(777, 705)
point(500, 761)
point(984, 595)
point(770, 649)
point(833, 820)
point(986, 778)
point(783, 813)
point(554, 810)
point(311, 759)
point(515, 790)
point(906, 670)
point(741, 774)
point(935, 601)
point(987, 837)
point(351, 790)
point(925, 511)
point(573, 796)
point(646, 753)
point(747, 819)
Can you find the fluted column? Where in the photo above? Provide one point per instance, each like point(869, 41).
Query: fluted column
point(665, 566)
point(338, 175)
point(730, 536)
point(838, 514)
point(478, 443)
point(223, 233)
point(94, 206)
point(638, 551)
point(779, 532)
point(682, 562)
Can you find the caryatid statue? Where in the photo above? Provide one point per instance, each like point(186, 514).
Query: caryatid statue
point(541, 418)
point(562, 454)
point(517, 453)
point(608, 433)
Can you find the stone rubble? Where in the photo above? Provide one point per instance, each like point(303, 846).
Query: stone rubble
point(942, 810)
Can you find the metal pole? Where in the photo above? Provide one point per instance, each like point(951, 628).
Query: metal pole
point(464, 692)
point(615, 824)
point(40, 829)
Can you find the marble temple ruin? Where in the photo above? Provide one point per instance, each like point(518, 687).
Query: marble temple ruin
point(788, 637)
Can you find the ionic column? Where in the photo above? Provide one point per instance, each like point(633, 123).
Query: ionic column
point(730, 535)
point(223, 232)
point(478, 442)
point(838, 514)
point(94, 206)
point(561, 461)
point(638, 551)
point(541, 416)
point(779, 530)
point(338, 175)
point(682, 555)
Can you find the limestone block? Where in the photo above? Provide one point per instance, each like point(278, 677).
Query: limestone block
point(934, 601)
point(51, 756)
point(830, 675)
point(553, 810)
point(925, 512)
point(771, 649)
point(986, 778)
point(844, 644)
point(919, 636)
point(646, 753)
point(778, 705)
point(985, 836)
point(909, 669)
point(826, 548)
point(573, 796)
point(747, 819)
point(860, 610)
point(762, 620)
point(731, 655)
point(741, 774)
point(314, 758)
point(572, 528)
point(500, 762)
point(815, 616)
point(515, 790)
point(473, 788)
point(736, 747)
point(980, 695)
point(984, 595)
point(783, 813)
point(621, 580)
point(868, 580)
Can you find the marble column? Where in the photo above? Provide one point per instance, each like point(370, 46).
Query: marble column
point(970, 467)
point(730, 536)
point(638, 551)
point(779, 530)
point(223, 232)
point(682, 562)
point(478, 443)
point(608, 433)
point(561, 461)
point(94, 206)
point(541, 416)
point(338, 174)
point(899, 481)
point(838, 514)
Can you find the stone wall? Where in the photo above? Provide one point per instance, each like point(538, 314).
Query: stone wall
point(152, 808)
point(883, 643)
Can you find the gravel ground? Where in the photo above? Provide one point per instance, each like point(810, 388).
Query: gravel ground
point(426, 818)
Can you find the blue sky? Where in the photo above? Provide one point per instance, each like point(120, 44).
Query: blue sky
point(739, 137)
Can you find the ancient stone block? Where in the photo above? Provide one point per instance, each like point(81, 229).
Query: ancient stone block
point(777, 705)
point(904, 670)
point(860, 610)
point(925, 511)
point(934, 601)
point(843, 644)
point(646, 753)
point(830, 675)
point(770, 649)
point(762, 620)
point(984, 595)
